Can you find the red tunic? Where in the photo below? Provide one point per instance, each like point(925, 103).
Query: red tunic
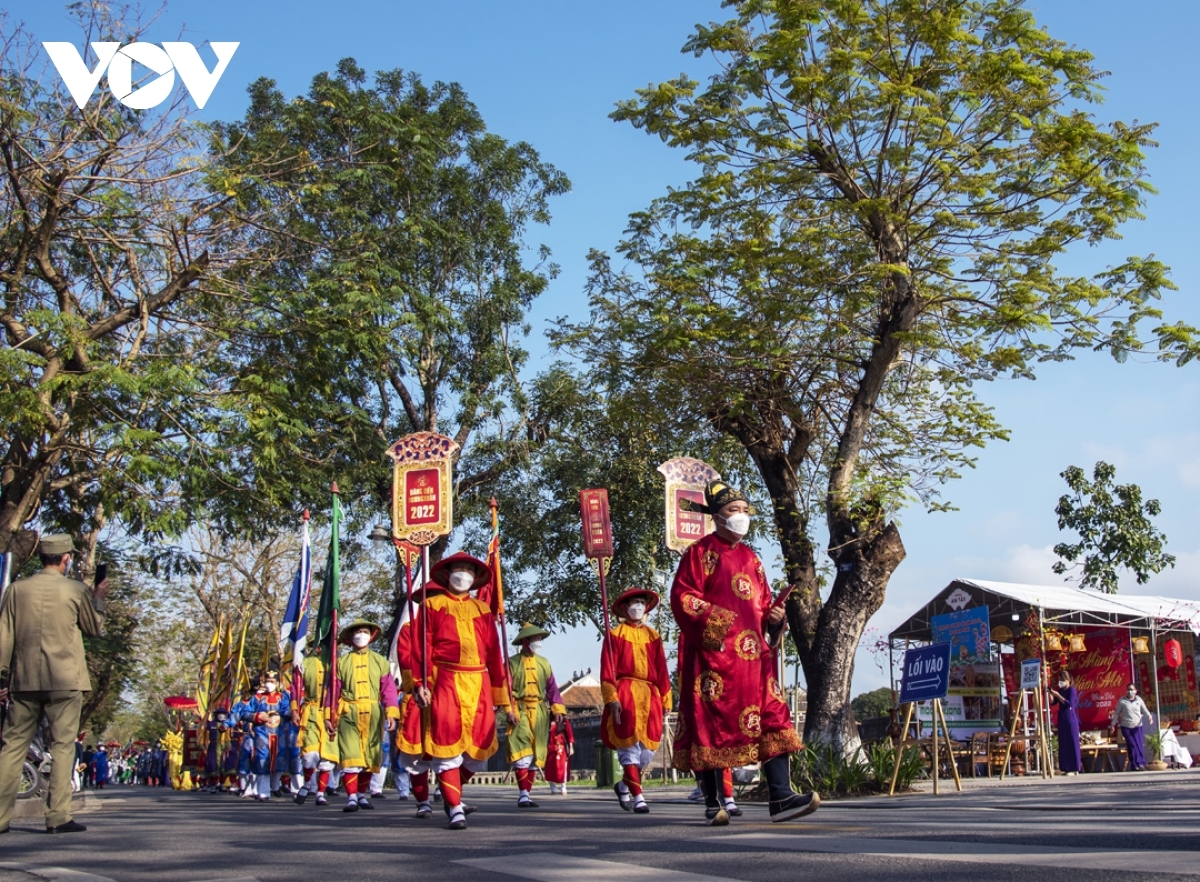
point(641, 683)
point(465, 676)
point(731, 709)
point(558, 754)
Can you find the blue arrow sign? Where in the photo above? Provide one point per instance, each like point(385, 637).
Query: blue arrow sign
point(926, 673)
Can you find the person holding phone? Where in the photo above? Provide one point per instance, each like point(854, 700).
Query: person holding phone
point(43, 620)
point(1066, 696)
point(1130, 714)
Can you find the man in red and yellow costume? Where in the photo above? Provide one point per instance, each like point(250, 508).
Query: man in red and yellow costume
point(458, 687)
point(418, 771)
point(731, 707)
point(636, 687)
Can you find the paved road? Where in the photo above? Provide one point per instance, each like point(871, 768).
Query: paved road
point(1139, 826)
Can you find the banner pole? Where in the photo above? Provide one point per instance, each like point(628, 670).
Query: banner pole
point(908, 709)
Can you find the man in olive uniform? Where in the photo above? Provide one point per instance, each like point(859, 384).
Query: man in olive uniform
point(538, 700)
point(43, 620)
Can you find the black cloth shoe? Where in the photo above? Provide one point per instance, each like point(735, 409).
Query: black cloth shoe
point(526, 802)
point(379, 795)
point(795, 806)
point(423, 810)
point(69, 827)
point(624, 798)
point(458, 821)
point(468, 809)
point(300, 798)
point(364, 803)
point(350, 806)
point(641, 809)
point(716, 816)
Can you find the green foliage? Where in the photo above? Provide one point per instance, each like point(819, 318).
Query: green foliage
point(110, 238)
point(1114, 527)
point(881, 757)
point(882, 190)
point(829, 771)
point(587, 435)
point(401, 286)
point(875, 703)
point(1154, 744)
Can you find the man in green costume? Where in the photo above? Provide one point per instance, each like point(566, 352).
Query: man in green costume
point(367, 689)
point(537, 698)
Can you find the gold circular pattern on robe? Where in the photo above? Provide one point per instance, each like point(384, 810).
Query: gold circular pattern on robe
point(750, 721)
point(710, 686)
point(747, 646)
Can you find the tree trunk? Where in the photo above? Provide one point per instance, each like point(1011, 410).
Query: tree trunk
point(864, 568)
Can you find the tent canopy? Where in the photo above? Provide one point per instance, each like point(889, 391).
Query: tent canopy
point(1058, 604)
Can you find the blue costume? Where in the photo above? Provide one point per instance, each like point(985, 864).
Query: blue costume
point(269, 712)
point(101, 761)
point(242, 738)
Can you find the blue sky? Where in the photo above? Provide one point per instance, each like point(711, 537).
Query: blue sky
point(550, 72)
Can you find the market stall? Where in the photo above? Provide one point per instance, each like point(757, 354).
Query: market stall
point(1104, 641)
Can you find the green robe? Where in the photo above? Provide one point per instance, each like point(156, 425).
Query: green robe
point(361, 712)
point(537, 697)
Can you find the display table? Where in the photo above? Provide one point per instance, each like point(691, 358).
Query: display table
point(1102, 757)
point(1189, 740)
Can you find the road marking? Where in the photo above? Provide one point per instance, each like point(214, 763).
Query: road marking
point(59, 873)
point(1182, 862)
point(550, 867)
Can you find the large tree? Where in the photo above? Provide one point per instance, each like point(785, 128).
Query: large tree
point(398, 303)
point(883, 189)
point(110, 239)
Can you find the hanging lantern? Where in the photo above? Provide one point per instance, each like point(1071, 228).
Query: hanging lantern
point(1173, 652)
point(1077, 644)
point(1002, 634)
point(1141, 645)
point(1053, 641)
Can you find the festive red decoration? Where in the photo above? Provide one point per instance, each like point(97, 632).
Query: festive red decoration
point(1173, 652)
point(180, 702)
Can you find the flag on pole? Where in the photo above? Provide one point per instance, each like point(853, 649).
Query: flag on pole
point(204, 686)
point(241, 677)
point(293, 634)
point(328, 611)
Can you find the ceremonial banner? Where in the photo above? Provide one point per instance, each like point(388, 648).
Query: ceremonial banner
point(973, 701)
point(1101, 675)
point(293, 635)
point(422, 492)
point(597, 531)
point(686, 479)
point(330, 608)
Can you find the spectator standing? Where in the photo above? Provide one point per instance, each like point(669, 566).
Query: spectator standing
point(1130, 715)
point(89, 767)
point(43, 620)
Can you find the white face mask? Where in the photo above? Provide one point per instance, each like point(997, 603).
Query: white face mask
point(361, 638)
point(535, 646)
point(737, 524)
point(462, 580)
point(271, 687)
point(635, 609)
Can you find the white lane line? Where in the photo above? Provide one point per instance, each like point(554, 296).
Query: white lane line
point(1183, 862)
point(55, 873)
point(550, 867)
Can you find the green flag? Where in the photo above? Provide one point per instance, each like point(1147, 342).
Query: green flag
point(328, 611)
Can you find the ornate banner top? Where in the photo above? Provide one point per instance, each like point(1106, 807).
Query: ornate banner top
point(597, 531)
point(686, 479)
point(422, 493)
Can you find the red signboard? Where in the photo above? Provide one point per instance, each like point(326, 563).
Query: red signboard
point(689, 525)
point(1101, 674)
point(597, 531)
point(422, 497)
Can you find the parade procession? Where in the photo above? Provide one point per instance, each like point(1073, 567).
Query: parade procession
point(447, 690)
